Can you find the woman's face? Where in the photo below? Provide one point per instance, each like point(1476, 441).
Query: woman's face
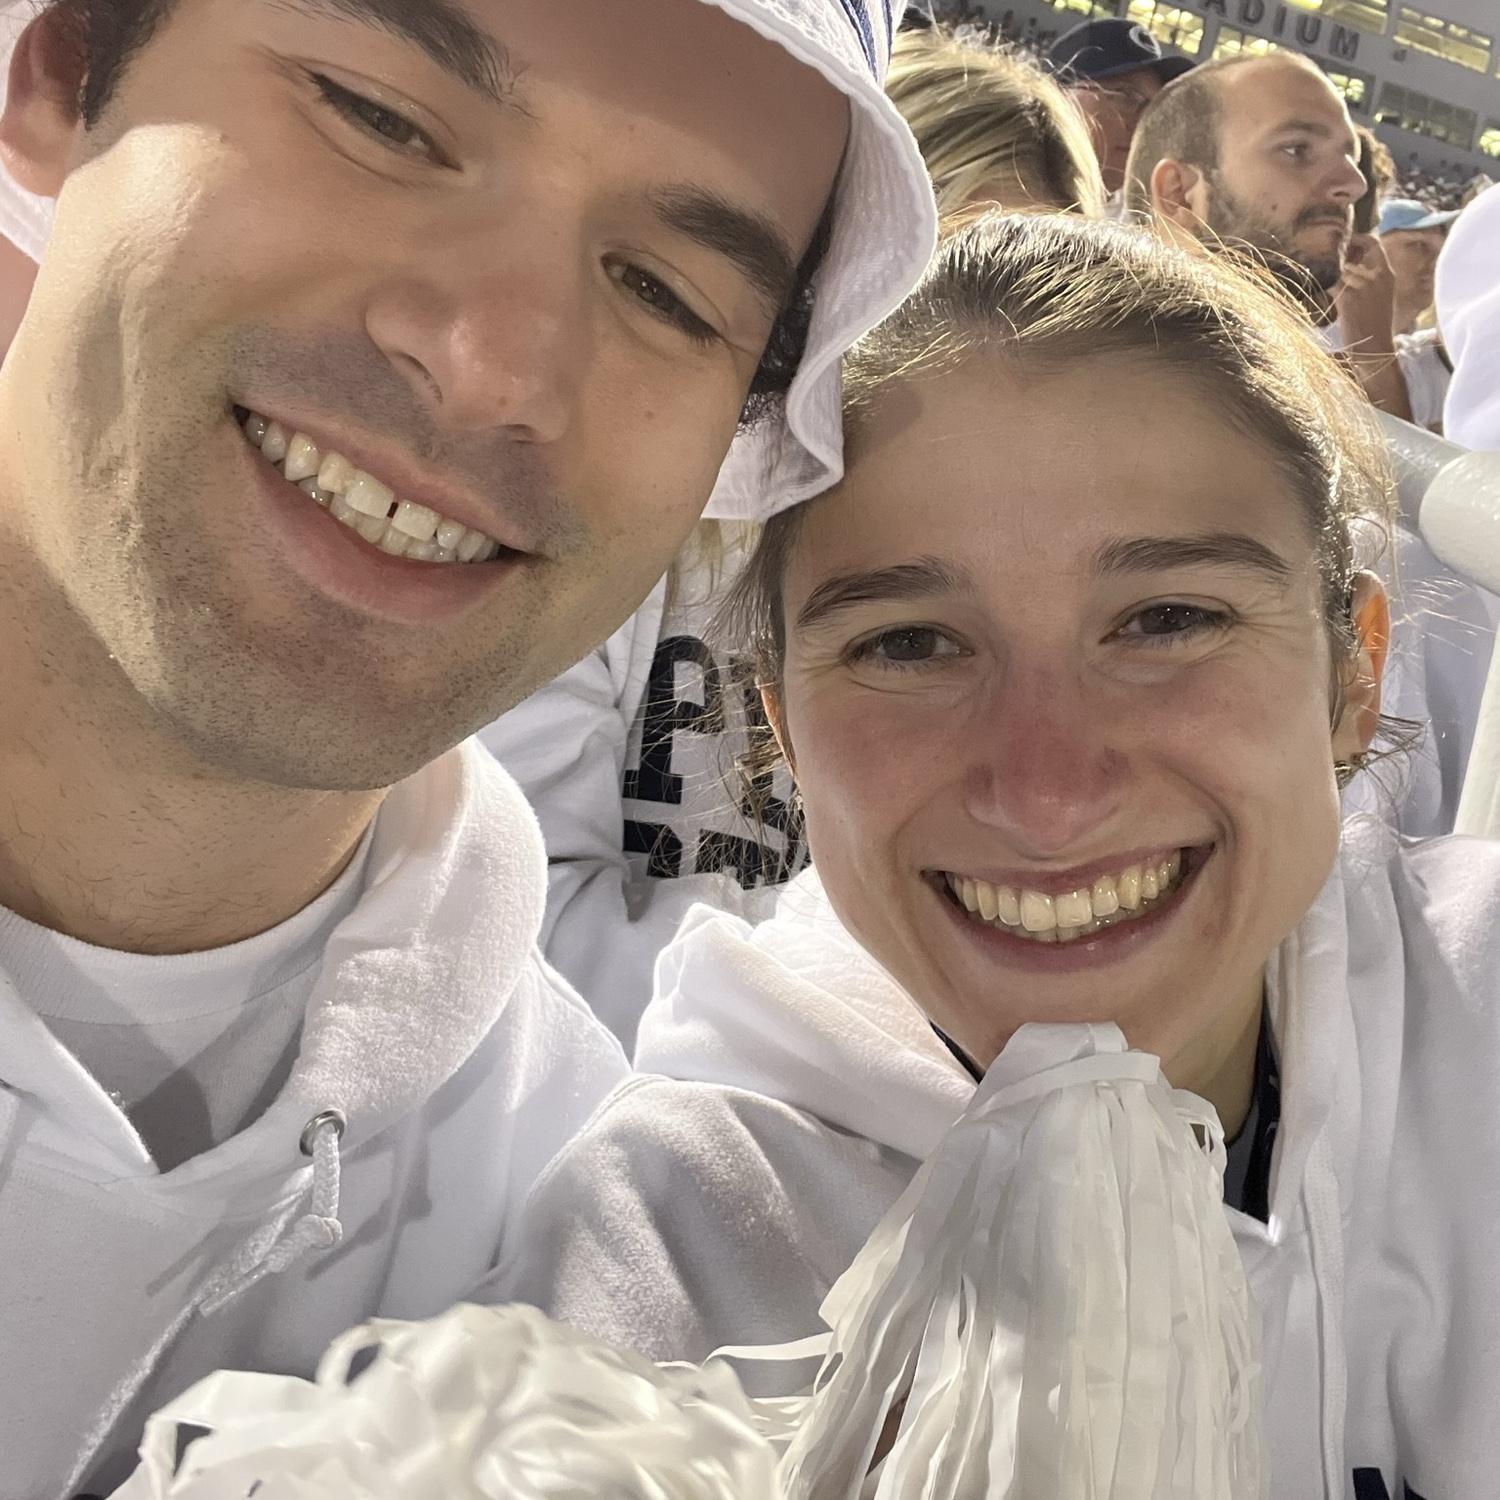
point(1057, 695)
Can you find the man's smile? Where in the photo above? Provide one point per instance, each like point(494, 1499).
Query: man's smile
point(363, 503)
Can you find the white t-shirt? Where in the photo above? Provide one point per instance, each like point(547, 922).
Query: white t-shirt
point(193, 1048)
point(1427, 373)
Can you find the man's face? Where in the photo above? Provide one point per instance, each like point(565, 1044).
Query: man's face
point(1413, 254)
point(519, 268)
point(1288, 173)
point(1113, 107)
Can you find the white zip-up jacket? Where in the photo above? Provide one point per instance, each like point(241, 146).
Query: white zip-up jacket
point(460, 1063)
point(717, 1203)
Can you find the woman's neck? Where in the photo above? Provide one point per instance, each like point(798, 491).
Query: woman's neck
point(1220, 1067)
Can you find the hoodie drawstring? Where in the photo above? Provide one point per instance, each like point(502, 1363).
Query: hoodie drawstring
point(1326, 1237)
point(318, 1229)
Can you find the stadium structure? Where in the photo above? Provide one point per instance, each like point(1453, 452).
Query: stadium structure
point(1426, 79)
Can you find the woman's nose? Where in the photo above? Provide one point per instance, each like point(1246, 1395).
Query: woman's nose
point(1042, 767)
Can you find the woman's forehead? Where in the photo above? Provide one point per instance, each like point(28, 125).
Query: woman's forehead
point(996, 464)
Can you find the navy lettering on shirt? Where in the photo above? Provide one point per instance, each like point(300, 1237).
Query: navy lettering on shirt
point(719, 705)
point(1369, 1484)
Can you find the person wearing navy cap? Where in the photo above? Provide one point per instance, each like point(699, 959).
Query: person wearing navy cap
point(1113, 69)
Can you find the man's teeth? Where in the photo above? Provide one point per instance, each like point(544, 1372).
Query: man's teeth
point(365, 505)
point(1060, 919)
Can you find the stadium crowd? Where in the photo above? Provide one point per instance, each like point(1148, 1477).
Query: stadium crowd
point(842, 742)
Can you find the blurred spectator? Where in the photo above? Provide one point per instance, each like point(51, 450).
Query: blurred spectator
point(1257, 155)
point(992, 126)
point(1411, 236)
point(1113, 69)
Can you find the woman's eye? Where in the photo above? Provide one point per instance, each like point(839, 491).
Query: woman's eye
point(905, 646)
point(1170, 624)
point(663, 302)
point(389, 126)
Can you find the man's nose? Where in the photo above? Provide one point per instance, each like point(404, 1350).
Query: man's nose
point(492, 336)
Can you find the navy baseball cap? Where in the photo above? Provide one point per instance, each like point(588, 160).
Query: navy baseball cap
point(1100, 49)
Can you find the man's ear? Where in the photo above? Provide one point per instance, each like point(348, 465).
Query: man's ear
point(1360, 719)
point(41, 122)
point(1177, 196)
point(770, 697)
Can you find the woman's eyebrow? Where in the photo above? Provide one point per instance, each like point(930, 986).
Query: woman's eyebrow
point(1216, 549)
point(926, 578)
point(439, 28)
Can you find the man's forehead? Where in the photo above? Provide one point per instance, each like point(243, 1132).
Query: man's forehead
point(1277, 92)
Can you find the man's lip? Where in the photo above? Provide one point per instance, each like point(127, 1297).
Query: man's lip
point(337, 563)
point(396, 469)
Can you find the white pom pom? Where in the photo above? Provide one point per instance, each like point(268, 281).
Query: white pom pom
point(480, 1404)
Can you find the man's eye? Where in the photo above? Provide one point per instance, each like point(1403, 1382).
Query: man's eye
point(905, 646)
point(388, 125)
point(1171, 624)
point(663, 302)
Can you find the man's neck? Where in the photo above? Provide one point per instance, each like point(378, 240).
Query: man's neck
point(113, 833)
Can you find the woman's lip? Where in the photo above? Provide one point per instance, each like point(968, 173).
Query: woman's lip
point(1107, 946)
point(1061, 882)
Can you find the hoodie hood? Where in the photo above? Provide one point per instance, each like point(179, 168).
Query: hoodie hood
point(410, 983)
point(795, 1010)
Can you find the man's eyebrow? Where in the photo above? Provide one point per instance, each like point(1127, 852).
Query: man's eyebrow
point(440, 28)
point(1218, 549)
point(1320, 128)
point(747, 238)
point(926, 578)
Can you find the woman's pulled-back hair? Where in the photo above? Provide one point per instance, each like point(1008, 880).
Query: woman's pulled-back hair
point(1044, 292)
point(984, 115)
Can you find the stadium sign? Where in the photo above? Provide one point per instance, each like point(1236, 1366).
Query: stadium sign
point(1307, 28)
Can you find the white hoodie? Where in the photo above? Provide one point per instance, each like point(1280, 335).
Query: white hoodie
point(716, 1204)
point(460, 1063)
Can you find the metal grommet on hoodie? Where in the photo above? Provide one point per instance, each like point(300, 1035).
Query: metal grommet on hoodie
point(334, 1117)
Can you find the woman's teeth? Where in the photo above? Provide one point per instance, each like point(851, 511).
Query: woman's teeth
point(363, 504)
point(1111, 899)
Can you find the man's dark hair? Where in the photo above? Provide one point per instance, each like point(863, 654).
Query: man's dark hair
point(1181, 122)
point(108, 33)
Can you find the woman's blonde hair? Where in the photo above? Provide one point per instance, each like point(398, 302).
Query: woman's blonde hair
point(991, 124)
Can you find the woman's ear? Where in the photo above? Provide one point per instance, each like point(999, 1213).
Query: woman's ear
point(770, 697)
point(1371, 617)
point(41, 122)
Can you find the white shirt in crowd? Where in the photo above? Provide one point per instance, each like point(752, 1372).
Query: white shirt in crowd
point(632, 762)
point(410, 1000)
point(799, 1088)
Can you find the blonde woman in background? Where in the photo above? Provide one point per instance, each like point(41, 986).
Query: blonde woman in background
point(993, 128)
point(630, 757)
